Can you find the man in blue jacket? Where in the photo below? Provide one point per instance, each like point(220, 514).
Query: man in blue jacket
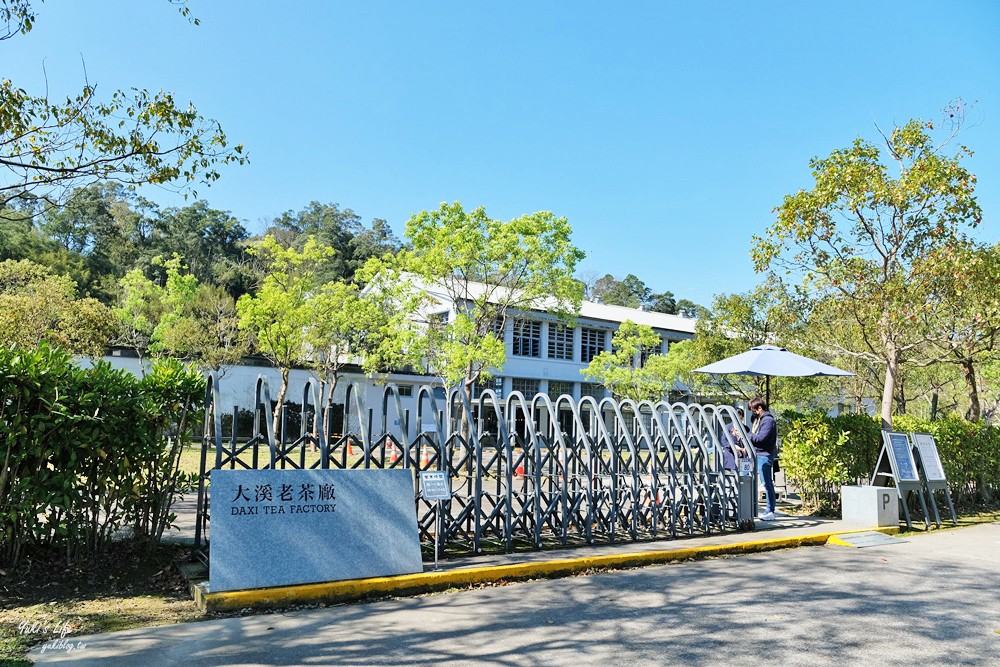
point(764, 436)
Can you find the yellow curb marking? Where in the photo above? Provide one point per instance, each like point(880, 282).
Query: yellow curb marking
point(422, 582)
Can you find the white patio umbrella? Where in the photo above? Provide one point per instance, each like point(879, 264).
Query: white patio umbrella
point(771, 361)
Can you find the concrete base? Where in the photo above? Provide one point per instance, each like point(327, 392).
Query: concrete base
point(870, 505)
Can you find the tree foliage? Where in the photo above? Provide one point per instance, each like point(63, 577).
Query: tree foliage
point(629, 369)
point(341, 229)
point(489, 269)
point(372, 328)
point(858, 236)
point(279, 314)
point(632, 292)
point(37, 306)
point(199, 321)
point(50, 146)
point(963, 313)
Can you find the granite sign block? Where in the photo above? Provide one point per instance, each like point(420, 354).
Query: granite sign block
point(284, 527)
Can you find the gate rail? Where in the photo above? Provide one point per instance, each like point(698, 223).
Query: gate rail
point(524, 473)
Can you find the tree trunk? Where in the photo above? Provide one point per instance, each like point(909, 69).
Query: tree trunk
point(974, 412)
point(276, 420)
point(934, 406)
point(888, 389)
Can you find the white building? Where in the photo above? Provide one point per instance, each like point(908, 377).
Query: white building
point(546, 356)
point(543, 354)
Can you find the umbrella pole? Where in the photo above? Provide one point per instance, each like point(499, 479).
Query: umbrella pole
point(767, 391)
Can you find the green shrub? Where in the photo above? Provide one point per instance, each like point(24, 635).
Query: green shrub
point(819, 454)
point(87, 453)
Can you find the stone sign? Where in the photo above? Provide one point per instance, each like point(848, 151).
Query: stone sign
point(284, 527)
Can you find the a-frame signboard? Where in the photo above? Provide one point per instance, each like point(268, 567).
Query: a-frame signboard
point(895, 462)
point(933, 472)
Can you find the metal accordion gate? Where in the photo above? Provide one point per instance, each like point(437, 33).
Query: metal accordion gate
point(526, 472)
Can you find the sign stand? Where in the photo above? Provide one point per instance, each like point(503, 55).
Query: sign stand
point(932, 472)
point(896, 462)
point(434, 485)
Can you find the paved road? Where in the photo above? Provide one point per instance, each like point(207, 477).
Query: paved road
point(933, 600)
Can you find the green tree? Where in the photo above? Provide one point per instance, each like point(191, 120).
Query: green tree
point(858, 235)
point(136, 312)
point(99, 225)
point(629, 292)
point(49, 147)
point(687, 308)
point(963, 315)
point(488, 269)
point(278, 317)
point(628, 370)
point(373, 328)
point(211, 243)
point(199, 321)
point(663, 303)
point(18, 237)
point(37, 306)
point(340, 229)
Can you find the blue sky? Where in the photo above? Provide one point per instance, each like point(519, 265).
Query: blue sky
point(665, 132)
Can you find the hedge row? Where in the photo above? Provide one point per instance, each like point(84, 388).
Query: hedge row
point(88, 455)
point(819, 454)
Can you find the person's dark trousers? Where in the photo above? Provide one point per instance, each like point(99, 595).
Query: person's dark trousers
point(765, 470)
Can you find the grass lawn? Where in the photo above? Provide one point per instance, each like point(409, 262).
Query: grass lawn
point(191, 458)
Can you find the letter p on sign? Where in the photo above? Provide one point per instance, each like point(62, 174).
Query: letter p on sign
point(885, 499)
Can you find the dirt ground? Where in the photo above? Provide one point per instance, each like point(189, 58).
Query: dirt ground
point(43, 601)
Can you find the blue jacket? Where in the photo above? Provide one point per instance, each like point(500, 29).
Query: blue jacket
point(764, 434)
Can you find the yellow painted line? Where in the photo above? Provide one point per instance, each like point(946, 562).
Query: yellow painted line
point(424, 582)
point(834, 539)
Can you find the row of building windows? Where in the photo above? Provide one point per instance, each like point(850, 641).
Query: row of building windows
point(527, 340)
point(527, 386)
point(531, 386)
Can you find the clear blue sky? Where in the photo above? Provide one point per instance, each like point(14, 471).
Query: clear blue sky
point(666, 132)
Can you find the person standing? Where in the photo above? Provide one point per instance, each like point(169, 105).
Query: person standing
point(764, 437)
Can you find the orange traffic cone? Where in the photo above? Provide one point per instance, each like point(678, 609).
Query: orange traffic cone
point(519, 469)
point(350, 448)
point(425, 456)
point(393, 452)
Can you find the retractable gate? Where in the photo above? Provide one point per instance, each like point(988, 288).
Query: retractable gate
point(525, 472)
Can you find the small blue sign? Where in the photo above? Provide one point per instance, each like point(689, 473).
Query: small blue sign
point(899, 445)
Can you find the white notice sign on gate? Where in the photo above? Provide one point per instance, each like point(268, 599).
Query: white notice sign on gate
point(434, 485)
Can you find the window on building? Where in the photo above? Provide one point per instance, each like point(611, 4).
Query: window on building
point(494, 383)
point(526, 386)
point(589, 389)
point(497, 328)
point(647, 352)
point(405, 389)
point(560, 341)
point(557, 389)
point(591, 344)
point(527, 338)
point(437, 320)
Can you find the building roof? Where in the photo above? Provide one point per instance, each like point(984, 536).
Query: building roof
point(607, 312)
point(591, 310)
